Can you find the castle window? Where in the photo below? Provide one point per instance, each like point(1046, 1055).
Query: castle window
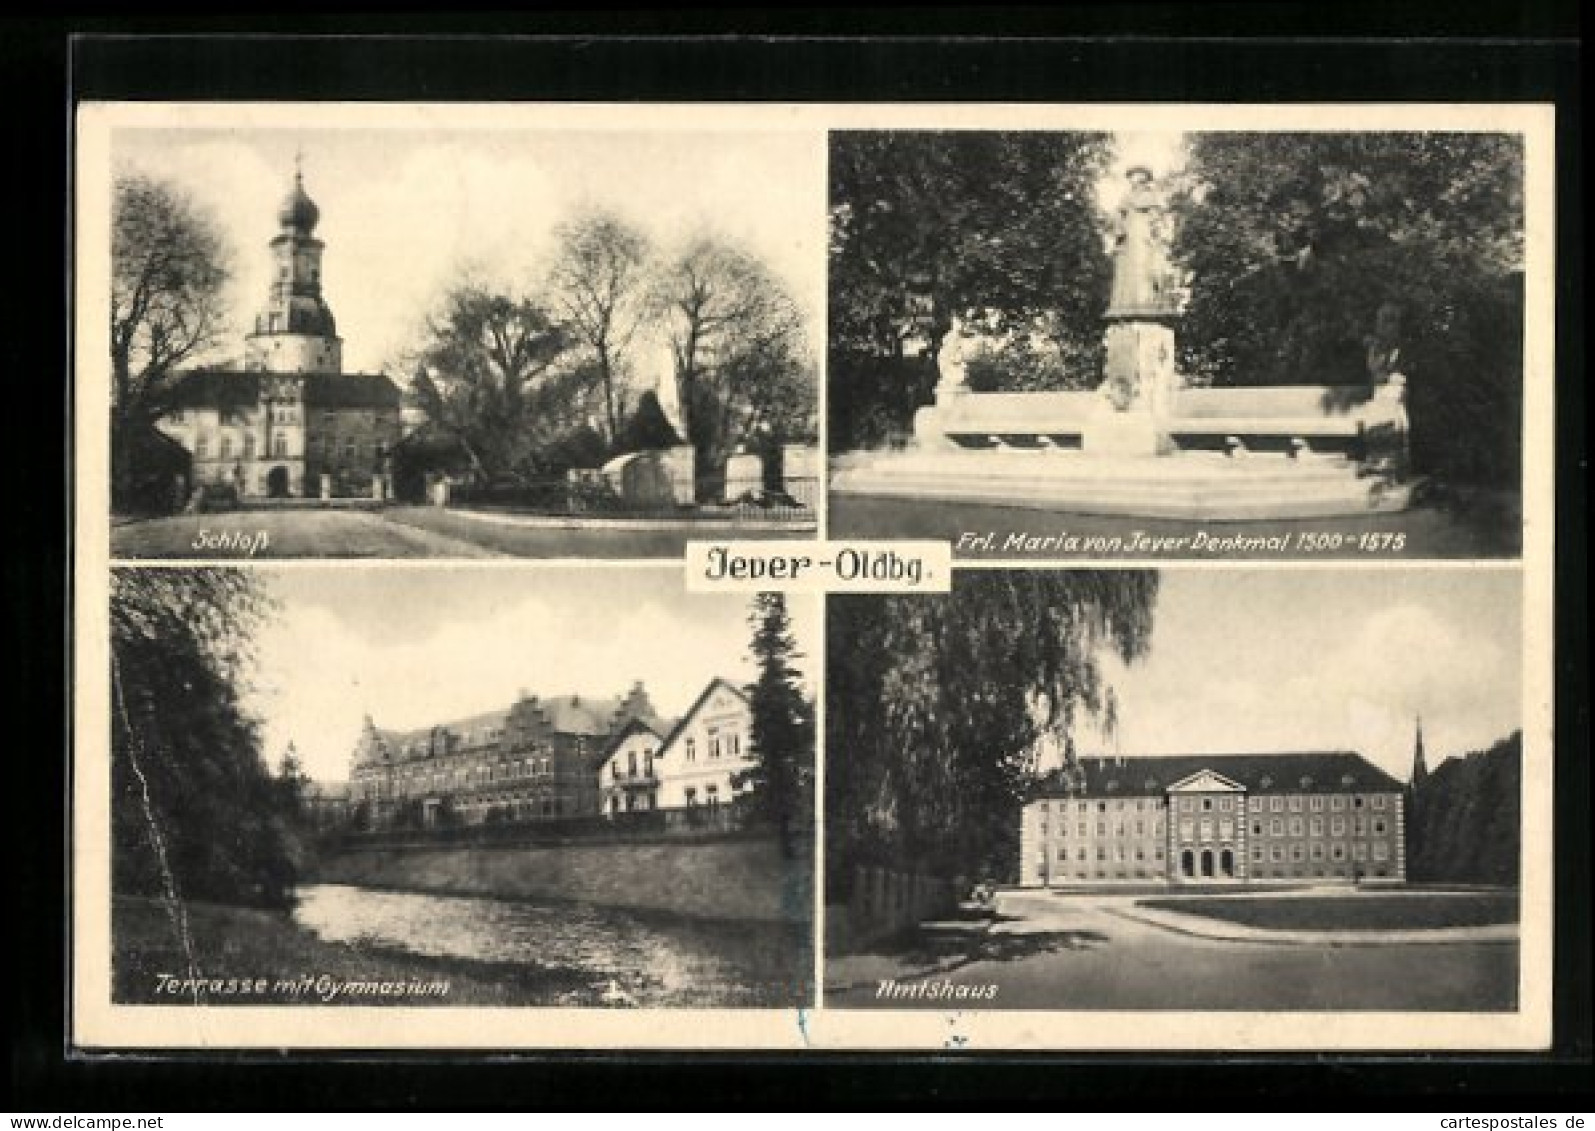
point(1337, 826)
point(279, 446)
point(1185, 805)
point(1255, 804)
point(1356, 802)
point(1082, 828)
point(226, 447)
point(1207, 804)
point(1316, 827)
point(1257, 828)
point(1277, 826)
point(1295, 803)
point(1276, 804)
point(1257, 853)
point(1337, 852)
point(1337, 802)
point(1224, 804)
point(202, 447)
point(1381, 851)
point(1295, 826)
point(1379, 828)
point(1316, 803)
point(692, 750)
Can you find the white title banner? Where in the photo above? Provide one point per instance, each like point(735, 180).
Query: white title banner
point(808, 566)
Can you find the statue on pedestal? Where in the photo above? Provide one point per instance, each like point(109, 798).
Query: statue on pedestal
point(1141, 272)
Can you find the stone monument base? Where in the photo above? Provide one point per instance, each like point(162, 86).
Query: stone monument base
point(1187, 485)
point(1124, 434)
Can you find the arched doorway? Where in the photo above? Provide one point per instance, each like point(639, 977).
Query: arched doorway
point(1226, 864)
point(1188, 864)
point(277, 482)
point(1207, 863)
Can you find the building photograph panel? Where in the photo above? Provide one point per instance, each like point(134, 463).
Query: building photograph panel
point(577, 788)
point(1063, 344)
point(413, 340)
point(1285, 791)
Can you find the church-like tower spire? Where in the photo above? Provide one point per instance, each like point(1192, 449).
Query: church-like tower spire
point(295, 331)
point(1420, 767)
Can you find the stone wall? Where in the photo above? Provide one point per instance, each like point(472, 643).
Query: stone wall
point(729, 878)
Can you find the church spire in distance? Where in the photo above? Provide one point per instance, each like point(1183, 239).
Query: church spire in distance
point(1420, 768)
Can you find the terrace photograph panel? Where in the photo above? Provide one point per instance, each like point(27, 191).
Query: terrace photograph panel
point(399, 333)
point(1053, 344)
point(432, 788)
point(1269, 792)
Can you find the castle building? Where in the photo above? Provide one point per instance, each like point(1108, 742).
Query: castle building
point(537, 759)
point(1225, 818)
point(290, 422)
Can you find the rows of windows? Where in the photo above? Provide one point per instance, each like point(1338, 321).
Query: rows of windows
point(1119, 828)
point(1315, 826)
point(1337, 851)
point(726, 744)
point(1116, 853)
point(1274, 803)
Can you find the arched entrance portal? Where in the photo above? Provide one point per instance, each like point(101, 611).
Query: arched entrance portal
point(277, 482)
point(1188, 864)
point(1207, 863)
point(1226, 864)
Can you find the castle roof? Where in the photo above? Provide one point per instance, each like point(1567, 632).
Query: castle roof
point(575, 715)
point(1338, 771)
point(240, 388)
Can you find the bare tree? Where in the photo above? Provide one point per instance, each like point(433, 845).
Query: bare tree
point(598, 280)
point(739, 349)
point(169, 265)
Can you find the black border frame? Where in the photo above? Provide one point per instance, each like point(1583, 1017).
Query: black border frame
point(1527, 53)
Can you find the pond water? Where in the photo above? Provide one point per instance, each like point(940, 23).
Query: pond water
point(614, 957)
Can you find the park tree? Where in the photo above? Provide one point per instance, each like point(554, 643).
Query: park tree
point(935, 705)
point(1316, 258)
point(741, 359)
point(783, 725)
point(196, 812)
point(599, 283)
point(492, 378)
point(169, 267)
point(1000, 229)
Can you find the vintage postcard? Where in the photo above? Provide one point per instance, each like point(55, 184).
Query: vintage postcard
point(813, 577)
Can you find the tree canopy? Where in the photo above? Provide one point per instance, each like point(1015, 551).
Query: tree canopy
point(999, 228)
point(742, 365)
point(169, 267)
point(1313, 256)
point(195, 812)
point(934, 705)
point(491, 379)
point(599, 281)
point(783, 725)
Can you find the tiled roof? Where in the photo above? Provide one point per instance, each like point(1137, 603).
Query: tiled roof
point(240, 388)
point(1336, 771)
point(566, 714)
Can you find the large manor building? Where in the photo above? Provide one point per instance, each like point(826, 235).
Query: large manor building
point(555, 758)
point(290, 421)
point(1239, 818)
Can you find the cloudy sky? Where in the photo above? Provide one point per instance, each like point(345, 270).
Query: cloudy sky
point(406, 206)
point(1279, 660)
point(414, 647)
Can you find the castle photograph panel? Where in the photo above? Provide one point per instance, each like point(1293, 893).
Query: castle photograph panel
point(413, 340)
point(1261, 791)
point(583, 788)
point(1055, 344)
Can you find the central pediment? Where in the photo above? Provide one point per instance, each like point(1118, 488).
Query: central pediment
point(1206, 781)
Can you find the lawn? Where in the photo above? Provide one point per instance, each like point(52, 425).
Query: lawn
point(536, 541)
point(1360, 911)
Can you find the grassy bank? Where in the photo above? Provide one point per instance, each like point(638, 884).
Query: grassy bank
point(1393, 911)
point(250, 957)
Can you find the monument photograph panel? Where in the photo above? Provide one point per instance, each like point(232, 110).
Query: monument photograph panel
point(411, 331)
point(1054, 344)
point(1260, 792)
point(437, 788)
